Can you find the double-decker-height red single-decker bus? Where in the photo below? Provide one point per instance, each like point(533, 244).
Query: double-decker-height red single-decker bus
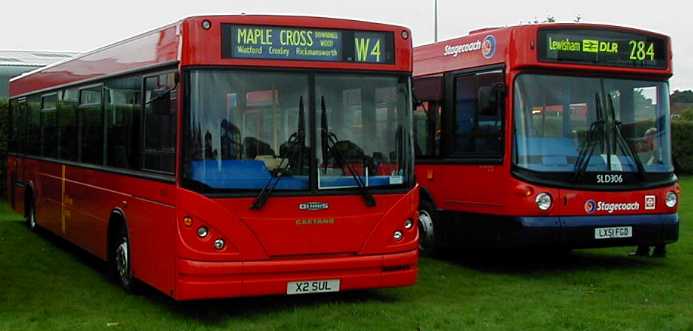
point(228, 156)
point(549, 134)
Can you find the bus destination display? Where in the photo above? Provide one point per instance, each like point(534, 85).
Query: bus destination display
point(306, 44)
point(606, 48)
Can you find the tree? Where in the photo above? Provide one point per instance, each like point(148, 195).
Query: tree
point(682, 96)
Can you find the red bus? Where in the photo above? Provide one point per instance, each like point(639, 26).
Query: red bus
point(226, 156)
point(546, 135)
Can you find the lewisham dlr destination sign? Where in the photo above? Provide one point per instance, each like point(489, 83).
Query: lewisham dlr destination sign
point(606, 48)
point(306, 44)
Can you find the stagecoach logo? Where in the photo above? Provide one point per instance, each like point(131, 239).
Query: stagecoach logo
point(456, 50)
point(488, 48)
point(592, 206)
point(312, 206)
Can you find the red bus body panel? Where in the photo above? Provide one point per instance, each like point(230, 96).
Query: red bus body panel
point(483, 190)
point(264, 249)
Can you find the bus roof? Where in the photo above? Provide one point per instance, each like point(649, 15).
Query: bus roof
point(516, 48)
point(186, 43)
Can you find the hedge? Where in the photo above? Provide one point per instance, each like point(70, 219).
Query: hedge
point(682, 146)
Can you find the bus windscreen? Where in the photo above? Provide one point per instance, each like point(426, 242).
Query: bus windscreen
point(306, 44)
point(604, 48)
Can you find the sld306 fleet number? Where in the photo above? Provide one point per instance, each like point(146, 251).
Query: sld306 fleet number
point(609, 179)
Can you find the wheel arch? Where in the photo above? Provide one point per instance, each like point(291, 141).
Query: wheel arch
point(29, 198)
point(425, 195)
point(116, 220)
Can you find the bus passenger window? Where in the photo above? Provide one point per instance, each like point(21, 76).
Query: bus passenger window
point(123, 102)
point(32, 142)
point(49, 129)
point(67, 125)
point(17, 110)
point(91, 125)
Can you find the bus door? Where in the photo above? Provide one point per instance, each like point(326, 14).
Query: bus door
point(473, 139)
point(464, 144)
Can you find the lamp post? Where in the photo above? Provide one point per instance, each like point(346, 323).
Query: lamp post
point(435, 20)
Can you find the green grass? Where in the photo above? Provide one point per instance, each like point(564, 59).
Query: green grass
point(46, 284)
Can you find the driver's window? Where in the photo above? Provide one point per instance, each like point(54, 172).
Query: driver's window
point(362, 125)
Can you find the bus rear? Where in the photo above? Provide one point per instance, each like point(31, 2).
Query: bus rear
point(296, 157)
point(559, 136)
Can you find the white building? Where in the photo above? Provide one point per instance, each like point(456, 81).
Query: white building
point(14, 63)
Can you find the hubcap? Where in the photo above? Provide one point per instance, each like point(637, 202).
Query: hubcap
point(426, 223)
point(121, 259)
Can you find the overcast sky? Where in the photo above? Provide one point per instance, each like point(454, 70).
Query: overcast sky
point(70, 25)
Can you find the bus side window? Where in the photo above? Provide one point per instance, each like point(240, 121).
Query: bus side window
point(14, 121)
point(428, 96)
point(67, 125)
point(477, 120)
point(123, 104)
point(49, 125)
point(32, 138)
point(160, 123)
point(91, 125)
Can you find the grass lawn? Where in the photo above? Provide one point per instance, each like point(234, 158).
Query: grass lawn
point(46, 284)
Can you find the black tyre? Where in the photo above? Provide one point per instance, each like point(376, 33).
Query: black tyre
point(30, 214)
point(121, 266)
point(428, 243)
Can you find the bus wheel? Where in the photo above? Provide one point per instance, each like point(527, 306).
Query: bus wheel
point(427, 238)
point(120, 261)
point(30, 216)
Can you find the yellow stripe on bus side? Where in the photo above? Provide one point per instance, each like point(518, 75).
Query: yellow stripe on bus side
point(62, 205)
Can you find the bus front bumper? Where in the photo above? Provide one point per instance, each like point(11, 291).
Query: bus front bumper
point(206, 280)
point(579, 231)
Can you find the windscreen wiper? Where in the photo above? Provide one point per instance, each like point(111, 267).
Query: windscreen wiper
point(621, 141)
point(298, 138)
point(595, 136)
point(329, 141)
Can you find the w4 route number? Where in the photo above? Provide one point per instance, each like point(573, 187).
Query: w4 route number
point(367, 49)
point(640, 50)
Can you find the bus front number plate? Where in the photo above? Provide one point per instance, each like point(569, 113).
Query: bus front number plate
point(613, 233)
point(312, 286)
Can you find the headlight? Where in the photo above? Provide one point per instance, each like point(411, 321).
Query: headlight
point(544, 201)
point(671, 200)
